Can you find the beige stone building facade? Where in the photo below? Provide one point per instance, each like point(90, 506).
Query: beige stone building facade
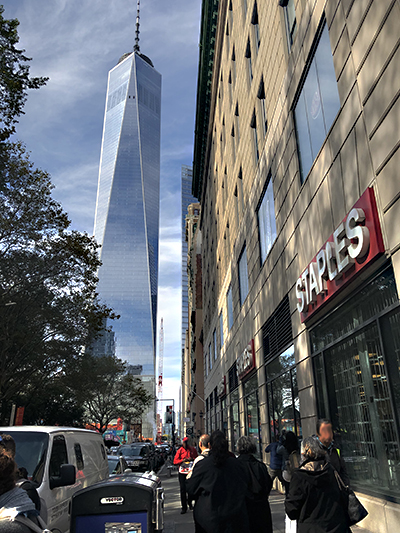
point(296, 165)
point(193, 403)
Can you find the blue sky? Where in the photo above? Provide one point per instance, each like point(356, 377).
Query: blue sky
point(75, 43)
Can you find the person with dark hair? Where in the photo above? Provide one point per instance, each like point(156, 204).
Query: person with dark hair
point(333, 453)
point(219, 486)
point(289, 449)
point(258, 509)
point(184, 458)
point(7, 443)
point(204, 445)
point(315, 499)
point(275, 461)
point(17, 511)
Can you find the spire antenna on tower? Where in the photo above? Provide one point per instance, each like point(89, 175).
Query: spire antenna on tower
point(136, 48)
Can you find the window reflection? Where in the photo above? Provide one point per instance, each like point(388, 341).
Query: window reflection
point(318, 104)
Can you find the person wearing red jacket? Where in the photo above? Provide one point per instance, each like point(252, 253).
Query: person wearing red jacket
point(184, 457)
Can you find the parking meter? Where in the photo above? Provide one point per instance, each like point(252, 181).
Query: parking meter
point(130, 503)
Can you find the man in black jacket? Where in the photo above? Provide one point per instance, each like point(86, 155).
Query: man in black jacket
point(333, 454)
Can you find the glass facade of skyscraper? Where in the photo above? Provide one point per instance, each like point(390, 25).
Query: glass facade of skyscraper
point(127, 210)
point(186, 199)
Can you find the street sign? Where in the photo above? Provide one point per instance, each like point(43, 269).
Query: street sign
point(189, 432)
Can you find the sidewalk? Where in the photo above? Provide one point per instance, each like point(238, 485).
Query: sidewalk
point(174, 522)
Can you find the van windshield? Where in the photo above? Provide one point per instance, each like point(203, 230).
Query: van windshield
point(31, 448)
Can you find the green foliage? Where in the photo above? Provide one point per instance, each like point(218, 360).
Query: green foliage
point(14, 77)
point(48, 278)
point(107, 391)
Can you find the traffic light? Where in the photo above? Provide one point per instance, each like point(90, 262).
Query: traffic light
point(169, 414)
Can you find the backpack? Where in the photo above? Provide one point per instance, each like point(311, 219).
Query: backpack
point(291, 464)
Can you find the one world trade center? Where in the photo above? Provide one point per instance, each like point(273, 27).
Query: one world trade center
point(127, 212)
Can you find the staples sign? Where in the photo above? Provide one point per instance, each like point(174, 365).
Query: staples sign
point(355, 243)
point(246, 360)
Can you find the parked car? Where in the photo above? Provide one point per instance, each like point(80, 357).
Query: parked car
point(138, 456)
point(117, 465)
point(59, 461)
point(114, 450)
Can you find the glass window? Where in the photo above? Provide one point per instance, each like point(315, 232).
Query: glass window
point(252, 412)
point(290, 20)
point(31, 452)
point(266, 221)
point(283, 398)
point(58, 456)
point(360, 406)
point(229, 306)
point(318, 104)
point(248, 57)
point(256, 29)
point(253, 125)
point(209, 356)
point(221, 328)
point(357, 379)
point(234, 413)
point(215, 344)
point(79, 456)
point(243, 276)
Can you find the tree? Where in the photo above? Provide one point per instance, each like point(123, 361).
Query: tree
point(48, 279)
point(107, 391)
point(14, 77)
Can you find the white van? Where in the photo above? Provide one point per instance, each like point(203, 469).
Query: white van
point(60, 461)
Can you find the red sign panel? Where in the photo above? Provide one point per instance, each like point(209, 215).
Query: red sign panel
point(355, 243)
point(19, 416)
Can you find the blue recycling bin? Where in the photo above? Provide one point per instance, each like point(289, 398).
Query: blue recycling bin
point(129, 503)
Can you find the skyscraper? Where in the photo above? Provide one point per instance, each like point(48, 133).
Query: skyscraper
point(186, 199)
point(127, 211)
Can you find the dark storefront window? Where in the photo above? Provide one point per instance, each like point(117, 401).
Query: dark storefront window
point(233, 382)
point(280, 372)
point(357, 377)
point(252, 412)
point(283, 395)
point(234, 414)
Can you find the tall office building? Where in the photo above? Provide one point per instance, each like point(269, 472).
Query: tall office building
point(186, 199)
point(127, 212)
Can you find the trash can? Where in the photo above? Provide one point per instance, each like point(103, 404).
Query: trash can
point(129, 503)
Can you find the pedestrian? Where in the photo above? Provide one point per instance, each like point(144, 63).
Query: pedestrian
point(315, 499)
point(258, 509)
point(219, 487)
point(204, 445)
point(184, 458)
point(17, 511)
point(7, 443)
point(333, 453)
point(275, 461)
point(289, 449)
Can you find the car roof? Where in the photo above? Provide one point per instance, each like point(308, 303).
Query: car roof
point(45, 429)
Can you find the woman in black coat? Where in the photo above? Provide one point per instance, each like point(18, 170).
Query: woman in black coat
point(314, 498)
point(258, 508)
point(219, 487)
